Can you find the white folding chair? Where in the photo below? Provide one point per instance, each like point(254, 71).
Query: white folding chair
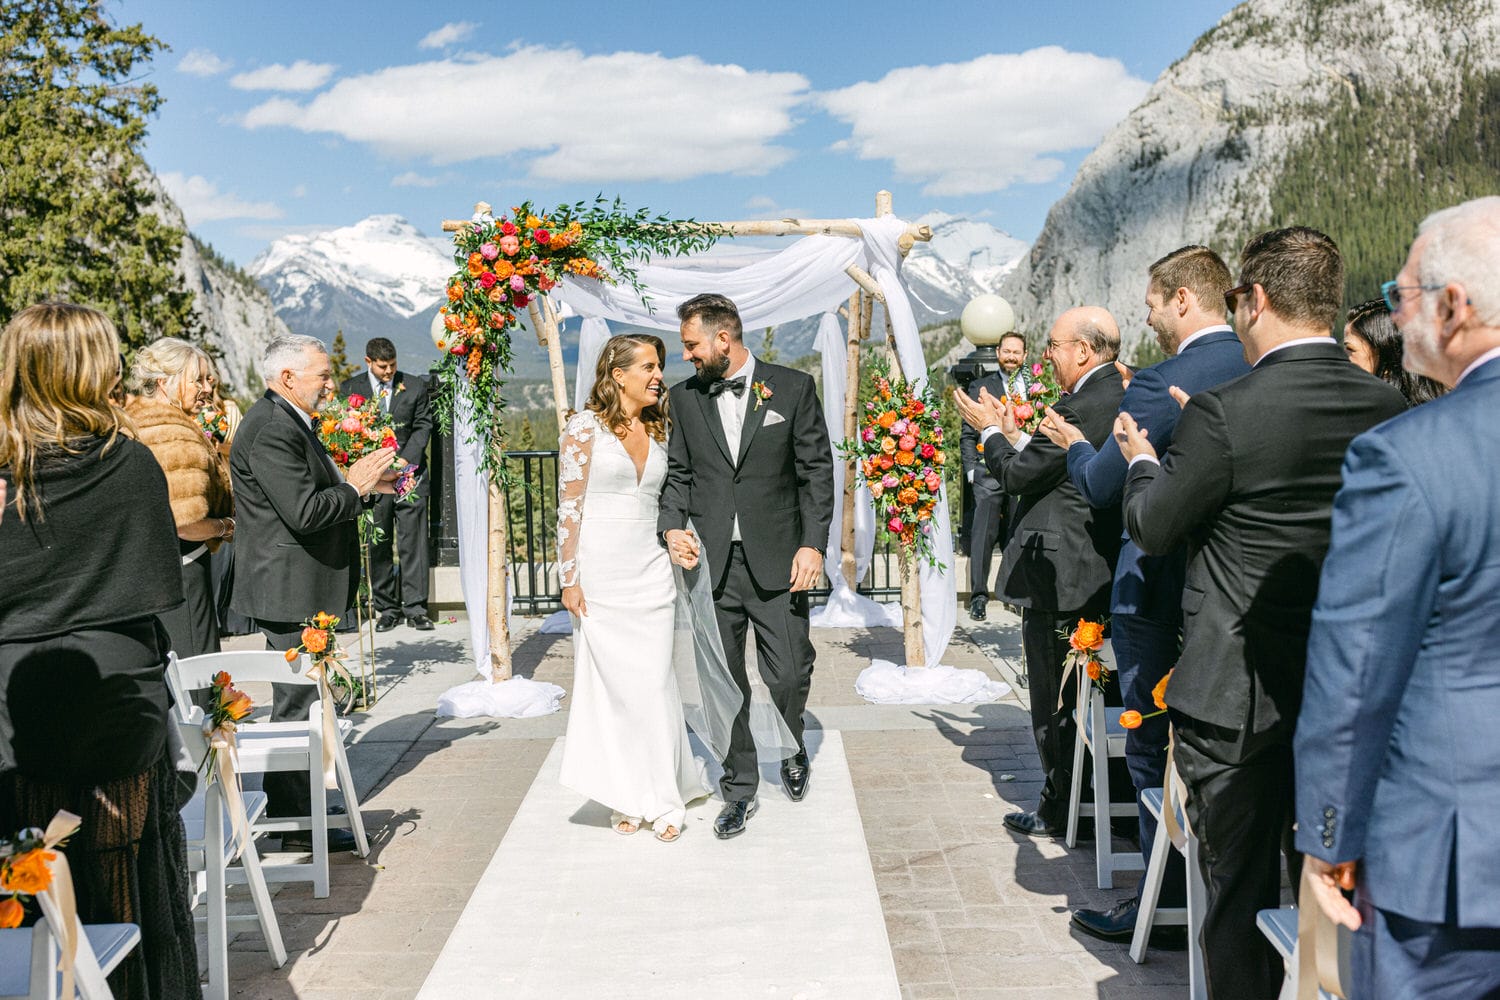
point(211, 852)
point(1280, 928)
point(283, 746)
point(1097, 726)
point(28, 956)
point(1163, 853)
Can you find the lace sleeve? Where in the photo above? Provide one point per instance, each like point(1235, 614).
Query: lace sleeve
point(572, 482)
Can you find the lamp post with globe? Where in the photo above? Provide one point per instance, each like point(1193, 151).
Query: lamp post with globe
point(984, 321)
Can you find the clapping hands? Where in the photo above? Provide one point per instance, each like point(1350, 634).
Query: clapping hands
point(1131, 437)
point(1059, 431)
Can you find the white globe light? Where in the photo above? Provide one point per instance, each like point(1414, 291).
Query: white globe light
point(986, 319)
point(441, 339)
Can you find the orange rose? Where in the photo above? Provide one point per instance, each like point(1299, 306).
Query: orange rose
point(1130, 719)
point(888, 445)
point(904, 457)
point(907, 497)
point(314, 640)
point(886, 462)
point(1095, 670)
point(11, 913)
point(886, 419)
point(28, 872)
point(1088, 635)
point(1159, 693)
point(454, 293)
point(236, 704)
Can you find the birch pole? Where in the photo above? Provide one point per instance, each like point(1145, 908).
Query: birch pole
point(499, 558)
point(544, 322)
point(847, 564)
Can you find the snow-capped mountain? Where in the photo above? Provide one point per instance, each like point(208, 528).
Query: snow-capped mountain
point(966, 257)
point(378, 277)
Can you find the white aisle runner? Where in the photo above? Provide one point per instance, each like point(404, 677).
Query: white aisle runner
point(568, 908)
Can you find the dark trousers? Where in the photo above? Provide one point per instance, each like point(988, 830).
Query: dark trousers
point(1397, 957)
point(193, 626)
point(405, 527)
point(984, 533)
point(287, 792)
point(1144, 651)
point(1240, 808)
point(786, 657)
point(1052, 727)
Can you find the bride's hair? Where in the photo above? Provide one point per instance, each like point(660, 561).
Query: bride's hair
point(604, 397)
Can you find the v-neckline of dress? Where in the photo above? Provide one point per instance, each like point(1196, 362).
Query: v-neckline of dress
point(640, 470)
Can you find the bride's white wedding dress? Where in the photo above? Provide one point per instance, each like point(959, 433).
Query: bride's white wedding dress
point(627, 745)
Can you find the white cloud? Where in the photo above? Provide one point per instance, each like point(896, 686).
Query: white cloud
point(300, 75)
point(762, 206)
point(983, 125)
point(624, 116)
point(201, 200)
point(415, 180)
point(453, 31)
point(202, 62)
point(300, 191)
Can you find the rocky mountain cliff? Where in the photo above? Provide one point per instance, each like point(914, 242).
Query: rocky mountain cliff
point(1356, 117)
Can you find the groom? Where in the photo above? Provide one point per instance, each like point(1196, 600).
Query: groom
point(749, 461)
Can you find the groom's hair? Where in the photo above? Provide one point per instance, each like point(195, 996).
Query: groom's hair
point(716, 312)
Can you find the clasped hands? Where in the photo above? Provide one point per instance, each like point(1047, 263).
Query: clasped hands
point(374, 473)
point(682, 547)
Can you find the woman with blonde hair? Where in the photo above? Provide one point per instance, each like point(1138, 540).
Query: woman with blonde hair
point(90, 560)
point(170, 382)
point(627, 745)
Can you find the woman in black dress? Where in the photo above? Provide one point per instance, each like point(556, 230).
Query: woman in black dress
point(90, 558)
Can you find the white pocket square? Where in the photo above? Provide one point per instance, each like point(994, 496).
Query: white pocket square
point(772, 417)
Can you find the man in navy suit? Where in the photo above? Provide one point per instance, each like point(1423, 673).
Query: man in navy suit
point(1185, 308)
point(1396, 749)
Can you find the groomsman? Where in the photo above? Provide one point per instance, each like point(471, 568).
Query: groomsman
point(991, 505)
point(1185, 309)
point(1061, 556)
point(405, 398)
point(1397, 750)
point(1247, 485)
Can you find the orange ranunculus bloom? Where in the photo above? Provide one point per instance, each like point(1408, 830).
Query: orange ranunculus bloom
point(453, 322)
point(907, 497)
point(504, 269)
point(476, 265)
point(11, 913)
point(1130, 719)
point(904, 457)
point(236, 704)
point(221, 679)
point(455, 293)
point(1096, 670)
point(1088, 635)
point(886, 419)
point(1159, 693)
point(314, 640)
point(28, 872)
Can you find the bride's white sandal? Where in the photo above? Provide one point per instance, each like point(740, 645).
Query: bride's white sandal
point(624, 825)
point(668, 834)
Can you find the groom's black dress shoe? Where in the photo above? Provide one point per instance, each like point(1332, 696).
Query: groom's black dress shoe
point(1118, 924)
point(795, 772)
point(1033, 825)
point(420, 622)
point(387, 621)
point(733, 817)
point(976, 607)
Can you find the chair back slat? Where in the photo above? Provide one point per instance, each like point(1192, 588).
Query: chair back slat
point(265, 666)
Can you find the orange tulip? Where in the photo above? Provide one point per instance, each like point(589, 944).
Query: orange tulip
point(11, 913)
point(221, 679)
point(236, 704)
point(28, 872)
point(314, 640)
point(1159, 693)
point(1130, 719)
point(292, 654)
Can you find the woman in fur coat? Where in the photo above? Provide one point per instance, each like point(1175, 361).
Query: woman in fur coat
point(170, 382)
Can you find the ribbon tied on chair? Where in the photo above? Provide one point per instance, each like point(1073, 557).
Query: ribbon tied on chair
point(319, 671)
point(63, 826)
point(223, 747)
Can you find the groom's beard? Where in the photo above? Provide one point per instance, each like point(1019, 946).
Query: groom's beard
point(714, 369)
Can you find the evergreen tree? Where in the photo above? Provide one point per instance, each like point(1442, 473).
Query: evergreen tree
point(768, 346)
point(76, 219)
point(338, 359)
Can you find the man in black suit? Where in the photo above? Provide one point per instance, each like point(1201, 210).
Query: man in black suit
point(295, 517)
point(405, 398)
point(1060, 561)
point(991, 505)
point(1248, 486)
point(749, 461)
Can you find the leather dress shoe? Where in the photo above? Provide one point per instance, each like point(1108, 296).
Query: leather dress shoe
point(387, 621)
point(976, 607)
point(420, 622)
point(1118, 924)
point(795, 772)
point(733, 817)
point(1033, 825)
point(301, 840)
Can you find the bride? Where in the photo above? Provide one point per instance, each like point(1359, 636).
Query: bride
point(627, 745)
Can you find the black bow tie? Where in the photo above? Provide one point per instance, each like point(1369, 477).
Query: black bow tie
point(734, 385)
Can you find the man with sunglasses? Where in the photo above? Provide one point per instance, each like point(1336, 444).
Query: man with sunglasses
point(1247, 485)
point(1396, 749)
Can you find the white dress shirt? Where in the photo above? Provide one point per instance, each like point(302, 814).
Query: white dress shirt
point(732, 416)
point(381, 391)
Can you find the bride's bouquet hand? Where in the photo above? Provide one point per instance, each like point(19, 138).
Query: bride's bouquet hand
point(572, 599)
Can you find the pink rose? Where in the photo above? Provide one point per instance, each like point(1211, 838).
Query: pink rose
point(889, 482)
point(487, 280)
point(356, 400)
point(933, 482)
point(868, 434)
point(509, 245)
point(894, 524)
point(1024, 412)
point(907, 443)
point(517, 283)
point(543, 237)
point(508, 228)
point(489, 251)
point(928, 451)
point(1037, 389)
point(1036, 370)
point(350, 425)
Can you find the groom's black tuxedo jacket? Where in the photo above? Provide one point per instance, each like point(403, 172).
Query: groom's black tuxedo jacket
point(780, 484)
point(1062, 554)
point(1247, 485)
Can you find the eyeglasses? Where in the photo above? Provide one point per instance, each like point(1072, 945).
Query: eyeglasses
point(1231, 297)
point(1391, 292)
point(1054, 344)
point(326, 375)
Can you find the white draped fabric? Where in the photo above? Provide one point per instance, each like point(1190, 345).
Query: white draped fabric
point(770, 288)
point(591, 340)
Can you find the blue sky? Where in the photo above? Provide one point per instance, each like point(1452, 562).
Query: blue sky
point(283, 117)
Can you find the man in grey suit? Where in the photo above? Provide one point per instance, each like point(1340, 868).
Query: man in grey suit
point(1397, 749)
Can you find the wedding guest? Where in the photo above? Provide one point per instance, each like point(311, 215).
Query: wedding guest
point(296, 528)
point(90, 558)
point(991, 504)
point(1247, 487)
point(1373, 343)
point(170, 382)
point(1185, 308)
point(221, 560)
point(404, 396)
point(1060, 560)
point(1397, 749)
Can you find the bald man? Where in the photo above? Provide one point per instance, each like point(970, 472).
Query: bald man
point(1060, 562)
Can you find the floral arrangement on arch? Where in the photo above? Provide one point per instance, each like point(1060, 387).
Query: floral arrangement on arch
point(899, 452)
point(1042, 391)
point(1084, 643)
point(505, 263)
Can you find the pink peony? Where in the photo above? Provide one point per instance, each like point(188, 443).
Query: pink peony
point(489, 251)
point(900, 427)
point(350, 425)
point(517, 283)
point(928, 451)
point(889, 482)
point(907, 443)
point(1024, 412)
point(868, 434)
point(933, 482)
point(509, 245)
point(487, 281)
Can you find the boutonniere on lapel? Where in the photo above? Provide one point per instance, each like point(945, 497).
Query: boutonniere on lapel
point(400, 388)
point(762, 393)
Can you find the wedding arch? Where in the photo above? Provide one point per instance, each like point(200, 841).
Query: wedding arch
point(837, 268)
